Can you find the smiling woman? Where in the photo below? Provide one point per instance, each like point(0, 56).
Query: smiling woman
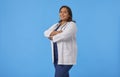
point(24, 51)
point(65, 14)
point(63, 38)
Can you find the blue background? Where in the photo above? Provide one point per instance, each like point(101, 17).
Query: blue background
point(25, 52)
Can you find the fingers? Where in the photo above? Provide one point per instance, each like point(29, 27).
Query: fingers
point(51, 37)
point(60, 31)
point(55, 32)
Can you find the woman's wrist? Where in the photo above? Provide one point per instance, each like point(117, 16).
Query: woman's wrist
point(51, 37)
point(55, 32)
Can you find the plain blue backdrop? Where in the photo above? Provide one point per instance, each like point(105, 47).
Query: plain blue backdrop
point(25, 52)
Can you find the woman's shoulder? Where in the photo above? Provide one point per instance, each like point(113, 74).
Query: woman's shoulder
point(72, 23)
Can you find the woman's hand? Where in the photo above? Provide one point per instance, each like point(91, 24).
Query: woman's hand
point(55, 32)
point(51, 37)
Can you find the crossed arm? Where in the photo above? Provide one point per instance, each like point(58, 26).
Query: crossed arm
point(54, 33)
point(61, 35)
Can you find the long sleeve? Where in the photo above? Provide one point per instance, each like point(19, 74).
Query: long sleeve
point(69, 31)
point(48, 31)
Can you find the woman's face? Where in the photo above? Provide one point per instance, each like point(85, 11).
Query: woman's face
point(64, 15)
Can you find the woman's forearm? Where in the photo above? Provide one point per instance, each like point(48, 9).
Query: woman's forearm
point(55, 32)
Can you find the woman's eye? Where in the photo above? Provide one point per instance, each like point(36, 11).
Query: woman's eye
point(63, 12)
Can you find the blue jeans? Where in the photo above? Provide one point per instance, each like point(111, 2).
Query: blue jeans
point(62, 70)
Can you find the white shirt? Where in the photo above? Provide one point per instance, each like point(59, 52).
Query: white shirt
point(66, 43)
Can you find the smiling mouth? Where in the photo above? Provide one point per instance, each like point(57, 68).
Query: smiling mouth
point(62, 16)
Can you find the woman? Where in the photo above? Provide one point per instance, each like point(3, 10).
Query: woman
point(63, 40)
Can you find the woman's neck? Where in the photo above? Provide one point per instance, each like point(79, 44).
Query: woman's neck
point(62, 22)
